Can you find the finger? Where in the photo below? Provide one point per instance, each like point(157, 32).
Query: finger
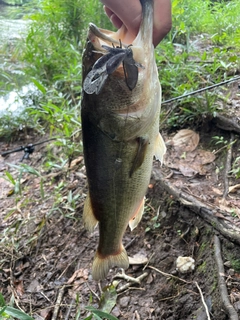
point(108, 11)
point(162, 20)
point(128, 12)
point(113, 18)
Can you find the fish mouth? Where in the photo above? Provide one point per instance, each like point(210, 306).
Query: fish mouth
point(100, 37)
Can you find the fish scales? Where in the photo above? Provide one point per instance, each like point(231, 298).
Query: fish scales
point(120, 130)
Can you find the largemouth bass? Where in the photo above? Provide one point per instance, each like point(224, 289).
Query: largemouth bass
point(120, 126)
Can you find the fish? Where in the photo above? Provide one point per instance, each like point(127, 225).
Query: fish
point(120, 109)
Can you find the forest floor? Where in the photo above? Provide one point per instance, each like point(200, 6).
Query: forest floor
point(192, 210)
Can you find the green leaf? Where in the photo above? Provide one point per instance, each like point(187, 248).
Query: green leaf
point(42, 189)
point(2, 311)
point(108, 299)
point(10, 177)
point(2, 301)
point(17, 314)
point(30, 169)
point(39, 86)
point(100, 314)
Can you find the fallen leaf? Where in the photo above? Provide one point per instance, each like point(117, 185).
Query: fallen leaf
point(81, 273)
point(189, 170)
point(75, 162)
point(234, 188)
point(34, 286)
point(185, 140)
point(217, 191)
point(204, 157)
point(18, 284)
point(138, 259)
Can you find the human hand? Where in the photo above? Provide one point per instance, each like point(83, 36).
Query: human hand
point(129, 12)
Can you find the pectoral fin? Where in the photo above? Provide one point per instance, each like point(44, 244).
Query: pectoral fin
point(89, 220)
point(137, 216)
point(159, 148)
point(140, 155)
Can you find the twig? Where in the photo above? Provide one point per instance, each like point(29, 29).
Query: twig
point(169, 298)
point(130, 243)
point(127, 285)
point(228, 167)
point(221, 281)
point(93, 292)
point(69, 310)
point(43, 294)
point(149, 260)
point(126, 288)
point(58, 303)
point(124, 276)
point(204, 303)
point(169, 275)
point(137, 316)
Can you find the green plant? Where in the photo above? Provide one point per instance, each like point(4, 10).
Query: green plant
point(185, 64)
point(236, 168)
point(236, 264)
point(57, 36)
point(153, 224)
point(8, 312)
point(98, 314)
point(23, 168)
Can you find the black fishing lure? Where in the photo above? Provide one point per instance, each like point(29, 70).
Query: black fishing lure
point(107, 64)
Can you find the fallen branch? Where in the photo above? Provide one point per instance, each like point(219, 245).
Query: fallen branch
point(58, 303)
point(128, 285)
point(221, 281)
point(210, 214)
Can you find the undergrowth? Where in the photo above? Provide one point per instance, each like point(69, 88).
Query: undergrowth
point(202, 49)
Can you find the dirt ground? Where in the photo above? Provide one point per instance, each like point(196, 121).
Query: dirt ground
point(192, 210)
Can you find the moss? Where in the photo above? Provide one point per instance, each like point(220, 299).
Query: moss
point(203, 267)
point(203, 247)
point(214, 285)
point(236, 264)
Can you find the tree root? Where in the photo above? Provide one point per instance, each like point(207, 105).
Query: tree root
point(210, 214)
point(221, 281)
point(228, 124)
point(228, 167)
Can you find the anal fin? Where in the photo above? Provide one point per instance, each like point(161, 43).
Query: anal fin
point(89, 220)
point(159, 148)
point(137, 216)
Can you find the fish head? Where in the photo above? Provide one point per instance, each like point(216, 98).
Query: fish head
point(120, 79)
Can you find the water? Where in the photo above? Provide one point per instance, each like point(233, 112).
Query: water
point(10, 12)
point(16, 101)
point(13, 28)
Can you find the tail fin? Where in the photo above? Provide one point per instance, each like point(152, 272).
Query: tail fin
point(102, 265)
